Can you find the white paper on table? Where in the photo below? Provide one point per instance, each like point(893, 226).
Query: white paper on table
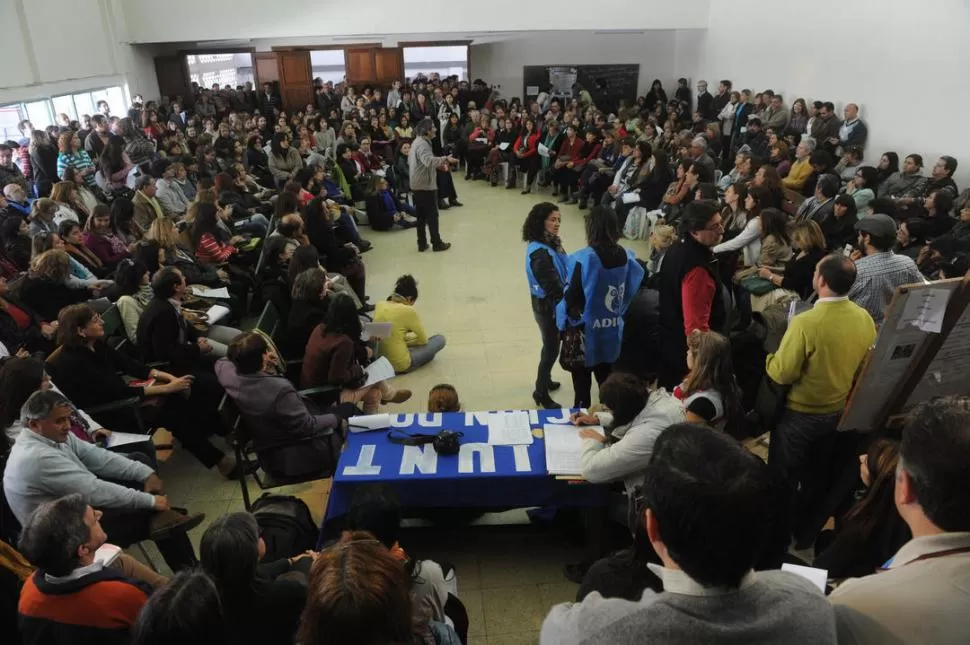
point(379, 370)
point(376, 330)
point(216, 313)
point(369, 422)
point(503, 146)
point(206, 292)
point(564, 448)
point(509, 429)
point(116, 439)
point(543, 150)
point(817, 577)
point(925, 309)
point(630, 198)
point(106, 554)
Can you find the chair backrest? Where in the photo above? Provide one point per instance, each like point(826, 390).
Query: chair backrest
point(114, 326)
point(269, 320)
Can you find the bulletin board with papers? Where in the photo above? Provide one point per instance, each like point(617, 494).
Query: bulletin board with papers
point(908, 363)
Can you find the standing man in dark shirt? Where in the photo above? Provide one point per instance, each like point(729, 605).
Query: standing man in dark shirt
point(705, 102)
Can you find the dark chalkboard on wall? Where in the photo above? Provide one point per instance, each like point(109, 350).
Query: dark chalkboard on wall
point(608, 84)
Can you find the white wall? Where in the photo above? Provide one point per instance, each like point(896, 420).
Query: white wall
point(56, 47)
point(904, 63)
point(502, 63)
point(247, 19)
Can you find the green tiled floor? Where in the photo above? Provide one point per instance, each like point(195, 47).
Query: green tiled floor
point(476, 295)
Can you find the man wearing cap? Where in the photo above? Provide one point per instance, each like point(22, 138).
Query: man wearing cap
point(168, 192)
point(880, 270)
point(423, 167)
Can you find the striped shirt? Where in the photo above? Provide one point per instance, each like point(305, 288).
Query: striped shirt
point(212, 251)
point(876, 280)
point(79, 161)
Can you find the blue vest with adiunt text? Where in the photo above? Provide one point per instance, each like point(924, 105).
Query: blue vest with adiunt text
point(558, 261)
point(608, 295)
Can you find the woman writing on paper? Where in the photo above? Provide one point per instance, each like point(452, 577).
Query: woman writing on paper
point(335, 355)
point(277, 416)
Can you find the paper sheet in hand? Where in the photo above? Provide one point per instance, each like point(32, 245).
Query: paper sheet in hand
point(216, 313)
point(124, 438)
point(543, 150)
point(503, 146)
point(379, 370)
point(375, 330)
point(106, 554)
point(564, 448)
point(630, 198)
point(206, 292)
point(509, 429)
point(369, 422)
point(925, 309)
point(817, 577)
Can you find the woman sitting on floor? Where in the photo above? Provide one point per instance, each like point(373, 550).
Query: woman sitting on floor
point(408, 346)
point(335, 355)
point(384, 210)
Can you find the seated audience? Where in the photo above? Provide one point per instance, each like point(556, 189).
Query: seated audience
point(73, 239)
point(45, 290)
point(310, 301)
point(291, 435)
point(635, 416)
point(912, 237)
point(335, 355)
point(880, 270)
point(259, 607)
point(921, 595)
point(819, 206)
point(338, 257)
point(905, 186)
point(103, 238)
point(698, 483)
point(86, 369)
point(868, 535)
point(187, 611)
point(408, 346)
point(802, 167)
point(22, 329)
point(936, 212)
point(47, 461)
point(14, 232)
point(72, 597)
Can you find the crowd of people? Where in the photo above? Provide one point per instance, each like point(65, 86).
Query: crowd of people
point(752, 208)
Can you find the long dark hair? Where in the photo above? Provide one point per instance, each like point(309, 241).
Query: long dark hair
point(275, 148)
point(625, 395)
point(19, 378)
point(229, 553)
point(112, 158)
point(534, 227)
point(761, 197)
point(206, 221)
point(661, 172)
point(874, 510)
point(128, 276)
point(342, 317)
point(714, 370)
point(316, 219)
point(893, 167)
point(774, 222)
point(602, 228)
point(304, 257)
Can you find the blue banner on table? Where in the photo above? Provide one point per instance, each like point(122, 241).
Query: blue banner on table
point(481, 475)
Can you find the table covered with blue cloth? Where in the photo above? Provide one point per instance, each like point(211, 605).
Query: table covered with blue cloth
point(481, 475)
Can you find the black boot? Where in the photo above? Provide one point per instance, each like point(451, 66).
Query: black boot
point(443, 205)
point(544, 401)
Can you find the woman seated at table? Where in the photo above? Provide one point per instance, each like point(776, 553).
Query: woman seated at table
point(70, 233)
point(87, 370)
point(335, 355)
point(276, 412)
point(634, 419)
point(408, 346)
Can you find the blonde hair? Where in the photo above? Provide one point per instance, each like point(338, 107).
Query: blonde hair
point(663, 235)
point(443, 398)
point(162, 231)
point(808, 236)
point(62, 191)
point(53, 265)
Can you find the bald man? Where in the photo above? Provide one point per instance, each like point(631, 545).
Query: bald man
point(853, 131)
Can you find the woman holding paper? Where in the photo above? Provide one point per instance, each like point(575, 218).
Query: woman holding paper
point(336, 355)
point(545, 269)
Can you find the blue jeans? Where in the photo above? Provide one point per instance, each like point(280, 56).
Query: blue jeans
point(423, 354)
point(256, 224)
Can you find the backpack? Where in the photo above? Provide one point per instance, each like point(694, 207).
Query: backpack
point(285, 524)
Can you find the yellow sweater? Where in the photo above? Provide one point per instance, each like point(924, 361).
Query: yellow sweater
point(820, 354)
point(798, 175)
point(406, 330)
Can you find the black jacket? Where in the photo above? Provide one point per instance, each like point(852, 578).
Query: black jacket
point(164, 334)
point(90, 378)
point(46, 298)
point(705, 105)
point(43, 163)
point(303, 319)
point(269, 614)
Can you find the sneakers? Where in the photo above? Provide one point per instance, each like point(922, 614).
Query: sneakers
point(399, 397)
point(441, 246)
point(165, 524)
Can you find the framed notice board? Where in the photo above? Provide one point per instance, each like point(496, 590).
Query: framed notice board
point(607, 84)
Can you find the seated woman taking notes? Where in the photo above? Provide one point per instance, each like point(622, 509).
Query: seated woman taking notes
point(408, 347)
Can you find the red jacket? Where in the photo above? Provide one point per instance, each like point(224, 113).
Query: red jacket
point(572, 152)
point(531, 145)
point(594, 153)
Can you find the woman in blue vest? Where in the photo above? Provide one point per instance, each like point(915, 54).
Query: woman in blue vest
point(602, 280)
point(545, 268)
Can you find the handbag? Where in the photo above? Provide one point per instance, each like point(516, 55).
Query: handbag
point(572, 353)
point(757, 285)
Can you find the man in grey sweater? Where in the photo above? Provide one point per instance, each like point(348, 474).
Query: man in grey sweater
point(48, 462)
point(704, 504)
point(423, 168)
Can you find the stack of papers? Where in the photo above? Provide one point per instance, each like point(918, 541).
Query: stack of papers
point(206, 292)
point(509, 429)
point(564, 448)
point(379, 370)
